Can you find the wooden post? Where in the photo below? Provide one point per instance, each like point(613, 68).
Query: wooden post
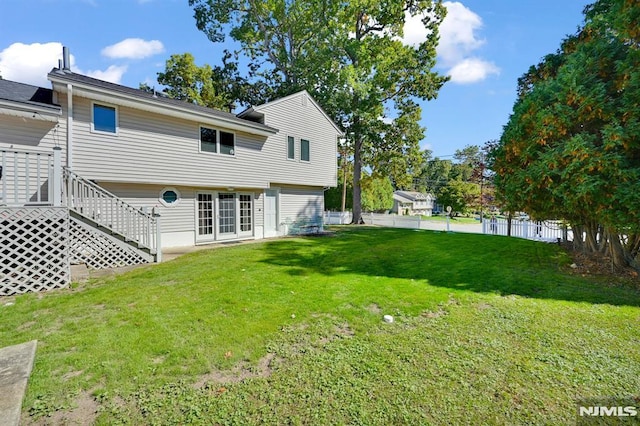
point(156, 216)
point(56, 177)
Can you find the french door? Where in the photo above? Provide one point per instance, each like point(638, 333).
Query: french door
point(223, 216)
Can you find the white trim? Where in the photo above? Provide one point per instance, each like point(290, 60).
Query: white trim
point(308, 151)
point(163, 202)
point(276, 231)
point(294, 148)
point(116, 113)
point(20, 109)
point(206, 238)
point(69, 126)
point(122, 99)
point(218, 151)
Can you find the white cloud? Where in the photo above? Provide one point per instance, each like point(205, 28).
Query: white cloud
point(458, 40)
point(30, 63)
point(133, 48)
point(472, 70)
point(112, 74)
point(458, 35)
point(414, 30)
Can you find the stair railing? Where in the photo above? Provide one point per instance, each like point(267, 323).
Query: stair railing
point(107, 210)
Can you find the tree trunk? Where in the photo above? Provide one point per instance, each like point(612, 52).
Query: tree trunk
point(357, 173)
point(578, 236)
point(619, 256)
point(591, 243)
point(344, 183)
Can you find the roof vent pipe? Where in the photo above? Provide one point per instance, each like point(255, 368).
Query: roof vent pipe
point(59, 64)
point(65, 59)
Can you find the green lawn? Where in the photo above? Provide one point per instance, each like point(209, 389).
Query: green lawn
point(487, 330)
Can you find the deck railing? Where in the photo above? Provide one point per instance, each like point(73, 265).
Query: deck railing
point(107, 210)
point(27, 178)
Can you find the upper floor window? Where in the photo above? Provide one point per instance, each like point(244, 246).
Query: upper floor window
point(212, 140)
point(104, 119)
point(291, 148)
point(304, 150)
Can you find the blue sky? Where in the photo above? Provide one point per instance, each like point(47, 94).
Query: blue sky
point(485, 46)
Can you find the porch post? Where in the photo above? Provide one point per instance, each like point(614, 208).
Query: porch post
point(56, 177)
point(156, 216)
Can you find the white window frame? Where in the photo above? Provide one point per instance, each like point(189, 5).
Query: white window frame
point(117, 121)
point(252, 220)
point(163, 202)
point(218, 131)
point(205, 238)
point(293, 140)
point(308, 151)
point(220, 236)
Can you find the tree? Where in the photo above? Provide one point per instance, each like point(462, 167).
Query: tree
point(377, 194)
point(216, 87)
point(397, 153)
point(459, 195)
point(571, 148)
point(348, 55)
point(434, 174)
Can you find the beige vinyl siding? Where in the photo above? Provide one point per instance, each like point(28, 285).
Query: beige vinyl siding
point(28, 137)
point(180, 217)
point(258, 208)
point(299, 202)
point(177, 218)
point(151, 148)
point(299, 117)
point(26, 134)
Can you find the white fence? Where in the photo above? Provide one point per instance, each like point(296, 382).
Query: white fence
point(336, 218)
point(550, 231)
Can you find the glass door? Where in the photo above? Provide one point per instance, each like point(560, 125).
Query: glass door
point(227, 215)
point(205, 209)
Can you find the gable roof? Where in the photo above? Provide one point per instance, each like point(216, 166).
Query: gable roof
point(411, 196)
point(140, 99)
point(254, 113)
point(25, 99)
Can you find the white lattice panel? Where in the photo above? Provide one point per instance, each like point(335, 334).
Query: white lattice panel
point(99, 250)
point(34, 245)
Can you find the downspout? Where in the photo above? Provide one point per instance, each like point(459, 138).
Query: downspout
point(69, 126)
point(66, 67)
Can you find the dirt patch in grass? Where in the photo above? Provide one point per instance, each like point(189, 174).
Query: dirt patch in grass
point(239, 373)
point(374, 309)
point(594, 265)
point(84, 412)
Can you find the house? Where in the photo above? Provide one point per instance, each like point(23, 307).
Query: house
point(412, 203)
point(140, 164)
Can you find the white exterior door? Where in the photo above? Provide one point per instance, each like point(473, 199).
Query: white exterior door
point(270, 213)
point(223, 216)
point(205, 209)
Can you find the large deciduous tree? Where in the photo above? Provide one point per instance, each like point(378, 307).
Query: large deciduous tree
point(349, 55)
point(571, 148)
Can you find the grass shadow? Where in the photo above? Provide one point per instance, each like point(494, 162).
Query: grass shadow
point(478, 263)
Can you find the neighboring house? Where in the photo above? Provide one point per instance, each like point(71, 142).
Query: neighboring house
point(210, 175)
point(412, 203)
